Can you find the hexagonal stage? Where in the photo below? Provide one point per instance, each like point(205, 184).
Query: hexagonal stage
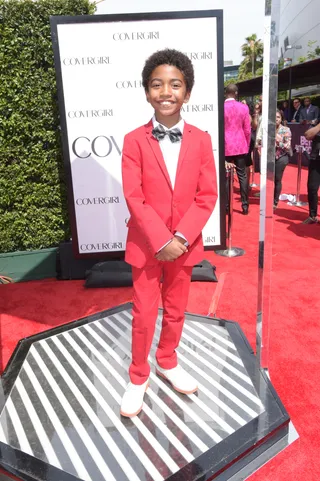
point(60, 417)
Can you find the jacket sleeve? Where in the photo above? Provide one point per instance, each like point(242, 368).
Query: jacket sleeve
point(143, 215)
point(247, 127)
point(202, 207)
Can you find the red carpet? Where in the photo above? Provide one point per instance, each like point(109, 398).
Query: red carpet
point(294, 364)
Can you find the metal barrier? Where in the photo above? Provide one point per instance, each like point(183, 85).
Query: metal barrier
point(297, 202)
point(230, 251)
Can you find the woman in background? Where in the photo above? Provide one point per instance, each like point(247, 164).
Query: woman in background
point(257, 117)
point(283, 152)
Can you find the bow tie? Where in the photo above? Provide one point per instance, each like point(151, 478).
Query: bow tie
point(159, 133)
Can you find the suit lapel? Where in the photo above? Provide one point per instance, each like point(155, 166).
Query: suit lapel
point(186, 140)
point(154, 144)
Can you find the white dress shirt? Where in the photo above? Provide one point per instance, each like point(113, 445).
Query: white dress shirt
point(170, 152)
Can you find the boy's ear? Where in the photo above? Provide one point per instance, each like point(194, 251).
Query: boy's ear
point(147, 96)
point(187, 98)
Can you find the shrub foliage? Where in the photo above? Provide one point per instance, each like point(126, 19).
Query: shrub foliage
point(33, 206)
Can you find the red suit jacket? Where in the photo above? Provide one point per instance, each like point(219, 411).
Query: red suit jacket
point(158, 211)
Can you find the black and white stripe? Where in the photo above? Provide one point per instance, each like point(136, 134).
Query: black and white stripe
point(64, 405)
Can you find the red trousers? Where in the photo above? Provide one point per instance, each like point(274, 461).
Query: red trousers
point(146, 296)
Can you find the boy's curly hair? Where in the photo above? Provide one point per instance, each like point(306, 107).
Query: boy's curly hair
point(169, 57)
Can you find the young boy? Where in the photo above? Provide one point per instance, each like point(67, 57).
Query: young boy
point(169, 183)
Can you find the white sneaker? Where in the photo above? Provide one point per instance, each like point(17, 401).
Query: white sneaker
point(179, 378)
point(132, 400)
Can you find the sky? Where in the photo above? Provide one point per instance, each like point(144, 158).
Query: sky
point(241, 17)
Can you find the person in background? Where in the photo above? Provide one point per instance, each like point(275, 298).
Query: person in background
point(314, 174)
point(257, 127)
point(285, 110)
point(237, 140)
point(283, 152)
point(297, 111)
point(257, 119)
point(310, 113)
point(250, 155)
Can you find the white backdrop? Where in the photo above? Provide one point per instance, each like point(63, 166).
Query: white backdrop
point(101, 64)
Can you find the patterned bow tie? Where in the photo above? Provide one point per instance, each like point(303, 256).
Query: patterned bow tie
point(159, 133)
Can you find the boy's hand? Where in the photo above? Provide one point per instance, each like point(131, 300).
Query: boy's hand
point(171, 251)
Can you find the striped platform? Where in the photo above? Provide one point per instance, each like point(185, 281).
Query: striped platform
point(61, 411)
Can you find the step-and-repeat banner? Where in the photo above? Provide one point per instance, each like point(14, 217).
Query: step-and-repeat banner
point(298, 139)
point(99, 61)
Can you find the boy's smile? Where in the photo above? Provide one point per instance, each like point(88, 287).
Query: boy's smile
point(167, 92)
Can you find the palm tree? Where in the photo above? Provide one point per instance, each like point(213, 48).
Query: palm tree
point(252, 51)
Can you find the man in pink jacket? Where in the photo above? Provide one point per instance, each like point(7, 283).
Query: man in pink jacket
point(237, 139)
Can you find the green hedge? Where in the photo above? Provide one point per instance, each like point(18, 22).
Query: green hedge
point(33, 206)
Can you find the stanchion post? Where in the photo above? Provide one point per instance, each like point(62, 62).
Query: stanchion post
point(299, 175)
point(298, 202)
point(230, 251)
point(230, 216)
